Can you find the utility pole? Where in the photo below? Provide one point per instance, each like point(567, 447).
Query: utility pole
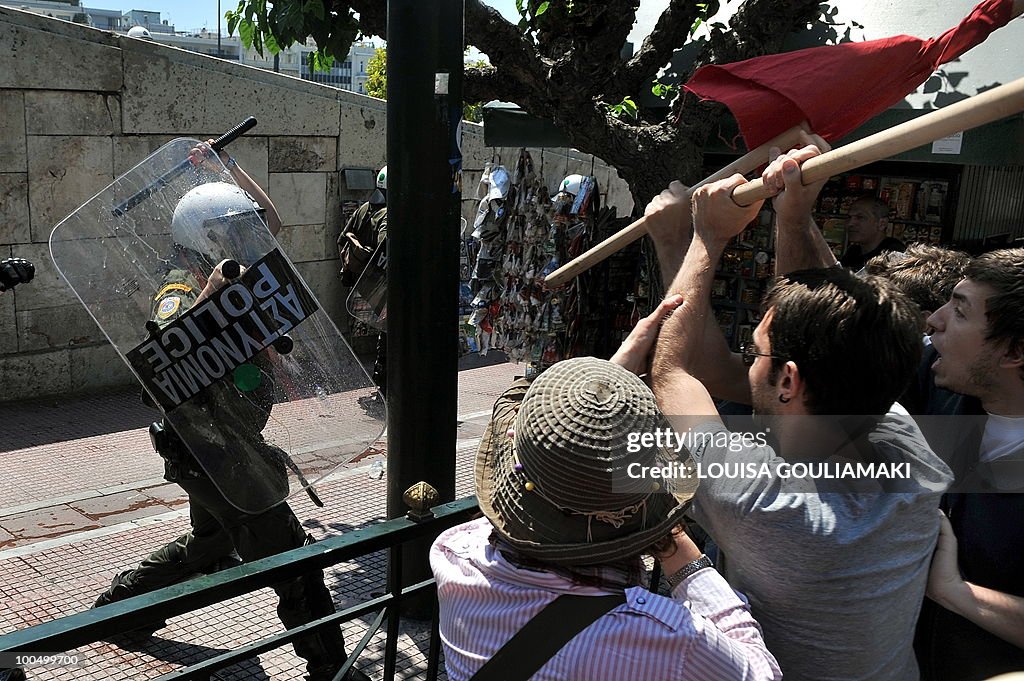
point(424, 113)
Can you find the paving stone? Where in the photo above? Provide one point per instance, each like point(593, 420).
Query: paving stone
point(169, 494)
point(48, 522)
point(113, 509)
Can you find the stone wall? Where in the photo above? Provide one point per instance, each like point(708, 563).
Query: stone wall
point(79, 107)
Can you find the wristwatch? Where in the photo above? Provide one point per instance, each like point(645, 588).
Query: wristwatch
point(676, 578)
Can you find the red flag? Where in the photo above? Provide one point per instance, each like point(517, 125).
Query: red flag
point(837, 87)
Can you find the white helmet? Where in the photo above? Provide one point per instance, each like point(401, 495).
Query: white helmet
point(206, 219)
point(574, 195)
point(139, 32)
point(571, 184)
point(378, 197)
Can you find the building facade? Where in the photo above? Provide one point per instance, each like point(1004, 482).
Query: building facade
point(348, 74)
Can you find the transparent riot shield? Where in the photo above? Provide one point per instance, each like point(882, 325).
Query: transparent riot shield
point(252, 376)
point(368, 300)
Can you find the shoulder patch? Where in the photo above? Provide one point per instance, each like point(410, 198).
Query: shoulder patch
point(168, 306)
point(185, 288)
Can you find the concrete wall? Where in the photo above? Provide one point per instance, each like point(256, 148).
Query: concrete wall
point(78, 107)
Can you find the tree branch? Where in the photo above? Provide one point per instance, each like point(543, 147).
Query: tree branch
point(483, 84)
point(757, 28)
point(598, 32)
point(373, 15)
point(763, 25)
point(505, 47)
point(669, 34)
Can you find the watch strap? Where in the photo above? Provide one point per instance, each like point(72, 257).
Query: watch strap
point(676, 578)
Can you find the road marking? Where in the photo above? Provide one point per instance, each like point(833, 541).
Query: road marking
point(474, 415)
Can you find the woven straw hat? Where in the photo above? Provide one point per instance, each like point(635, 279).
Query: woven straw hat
point(559, 490)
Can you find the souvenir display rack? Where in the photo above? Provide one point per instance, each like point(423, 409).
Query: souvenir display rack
point(521, 234)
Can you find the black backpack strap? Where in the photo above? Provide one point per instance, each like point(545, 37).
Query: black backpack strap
point(544, 635)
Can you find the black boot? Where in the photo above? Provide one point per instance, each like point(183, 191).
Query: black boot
point(119, 590)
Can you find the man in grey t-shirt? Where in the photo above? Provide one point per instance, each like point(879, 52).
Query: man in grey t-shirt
point(835, 577)
point(835, 567)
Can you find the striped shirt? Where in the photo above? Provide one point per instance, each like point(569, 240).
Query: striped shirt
point(703, 633)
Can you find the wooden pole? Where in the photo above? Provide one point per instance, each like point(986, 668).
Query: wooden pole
point(624, 237)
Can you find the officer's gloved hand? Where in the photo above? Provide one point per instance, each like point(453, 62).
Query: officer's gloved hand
point(15, 271)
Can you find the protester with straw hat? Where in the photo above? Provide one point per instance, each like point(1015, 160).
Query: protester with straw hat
point(568, 517)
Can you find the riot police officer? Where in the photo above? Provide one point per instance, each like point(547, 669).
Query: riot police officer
point(205, 219)
point(363, 233)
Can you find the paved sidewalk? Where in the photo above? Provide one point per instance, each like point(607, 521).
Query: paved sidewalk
point(83, 498)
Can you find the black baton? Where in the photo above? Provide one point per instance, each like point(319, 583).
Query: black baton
point(163, 180)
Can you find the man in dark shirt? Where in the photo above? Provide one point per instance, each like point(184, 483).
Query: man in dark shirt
point(972, 625)
point(865, 231)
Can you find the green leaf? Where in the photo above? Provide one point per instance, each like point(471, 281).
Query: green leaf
point(473, 112)
point(314, 8)
point(519, 8)
point(245, 32)
point(377, 74)
point(663, 90)
point(294, 20)
point(543, 7)
point(321, 61)
point(629, 107)
point(271, 44)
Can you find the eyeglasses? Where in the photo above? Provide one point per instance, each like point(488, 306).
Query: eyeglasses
point(749, 354)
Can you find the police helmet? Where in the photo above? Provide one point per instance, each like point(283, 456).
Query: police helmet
point(379, 196)
point(209, 219)
point(576, 195)
point(571, 184)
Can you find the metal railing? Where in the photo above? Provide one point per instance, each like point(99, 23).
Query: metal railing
point(68, 633)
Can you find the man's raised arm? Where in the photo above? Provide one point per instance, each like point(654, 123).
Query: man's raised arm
point(670, 226)
point(799, 243)
point(680, 348)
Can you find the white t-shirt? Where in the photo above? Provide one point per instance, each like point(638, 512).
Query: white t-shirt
point(1004, 435)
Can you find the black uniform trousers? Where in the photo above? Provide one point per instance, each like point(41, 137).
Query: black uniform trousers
point(217, 528)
